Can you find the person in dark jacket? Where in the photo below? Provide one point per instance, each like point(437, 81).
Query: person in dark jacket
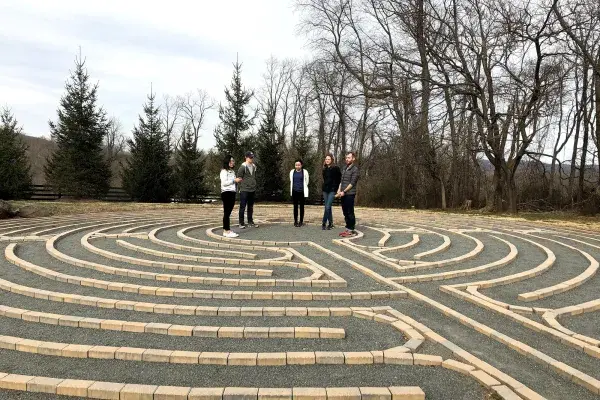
point(247, 189)
point(347, 192)
point(299, 180)
point(331, 182)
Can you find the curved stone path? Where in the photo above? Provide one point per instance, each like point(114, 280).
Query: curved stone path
point(417, 305)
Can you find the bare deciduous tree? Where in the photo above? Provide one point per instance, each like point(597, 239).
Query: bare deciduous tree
point(193, 107)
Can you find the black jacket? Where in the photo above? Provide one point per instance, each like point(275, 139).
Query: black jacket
point(331, 178)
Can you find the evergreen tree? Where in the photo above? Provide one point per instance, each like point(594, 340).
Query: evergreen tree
point(15, 181)
point(147, 175)
point(78, 166)
point(269, 145)
point(189, 167)
point(235, 120)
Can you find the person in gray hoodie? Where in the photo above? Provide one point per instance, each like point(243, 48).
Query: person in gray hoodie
point(247, 187)
point(347, 193)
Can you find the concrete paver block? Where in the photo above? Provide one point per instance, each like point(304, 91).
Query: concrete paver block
point(240, 393)
point(206, 394)
point(138, 392)
point(343, 393)
point(105, 390)
point(308, 393)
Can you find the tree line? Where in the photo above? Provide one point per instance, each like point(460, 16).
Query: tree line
point(446, 103)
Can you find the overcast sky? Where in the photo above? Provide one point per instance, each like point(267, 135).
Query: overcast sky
point(176, 45)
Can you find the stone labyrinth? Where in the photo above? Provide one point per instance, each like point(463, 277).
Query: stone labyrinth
point(158, 305)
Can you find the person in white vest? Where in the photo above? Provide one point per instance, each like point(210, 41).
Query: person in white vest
point(228, 189)
point(299, 190)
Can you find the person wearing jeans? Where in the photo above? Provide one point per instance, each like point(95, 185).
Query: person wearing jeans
point(347, 193)
point(247, 173)
point(331, 181)
point(228, 190)
point(299, 190)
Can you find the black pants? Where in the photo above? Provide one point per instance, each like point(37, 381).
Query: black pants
point(246, 199)
point(348, 210)
point(228, 203)
point(298, 198)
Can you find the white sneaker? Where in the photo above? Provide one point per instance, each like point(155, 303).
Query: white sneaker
point(230, 234)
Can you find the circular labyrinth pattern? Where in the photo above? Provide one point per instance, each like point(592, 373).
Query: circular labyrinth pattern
point(417, 305)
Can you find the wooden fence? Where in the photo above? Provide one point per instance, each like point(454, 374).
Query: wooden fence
point(48, 193)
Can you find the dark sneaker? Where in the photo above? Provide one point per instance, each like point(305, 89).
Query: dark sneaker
point(252, 225)
point(330, 227)
point(295, 224)
point(323, 227)
point(242, 226)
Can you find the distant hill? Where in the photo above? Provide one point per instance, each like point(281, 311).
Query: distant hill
point(41, 148)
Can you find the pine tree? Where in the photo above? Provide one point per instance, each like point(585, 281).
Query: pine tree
point(147, 175)
point(235, 120)
point(15, 173)
point(189, 167)
point(269, 146)
point(78, 166)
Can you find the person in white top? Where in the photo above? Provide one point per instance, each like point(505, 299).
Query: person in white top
point(299, 190)
point(228, 190)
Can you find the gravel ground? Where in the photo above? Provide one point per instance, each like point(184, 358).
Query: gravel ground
point(436, 382)
point(360, 335)
point(569, 263)
point(544, 343)
point(493, 250)
point(20, 276)
point(428, 241)
point(587, 324)
point(70, 246)
point(401, 238)
point(534, 375)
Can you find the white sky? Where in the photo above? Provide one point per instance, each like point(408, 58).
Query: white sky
point(177, 45)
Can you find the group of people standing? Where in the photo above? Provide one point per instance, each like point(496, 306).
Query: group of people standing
point(336, 184)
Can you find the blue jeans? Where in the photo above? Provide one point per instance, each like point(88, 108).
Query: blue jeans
point(328, 214)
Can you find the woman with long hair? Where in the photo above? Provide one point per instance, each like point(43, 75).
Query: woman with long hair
point(331, 181)
point(228, 190)
point(299, 190)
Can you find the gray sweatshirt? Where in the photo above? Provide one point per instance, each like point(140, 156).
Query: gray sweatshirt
point(248, 175)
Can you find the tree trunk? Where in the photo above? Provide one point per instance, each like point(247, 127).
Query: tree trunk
point(511, 191)
point(552, 178)
point(443, 193)
point(586, 131)
point(597, 101)
point(575, 140)
point(556, 145)
point(497, 189)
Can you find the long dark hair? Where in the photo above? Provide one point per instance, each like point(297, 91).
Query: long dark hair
point(226, 160)
point(332, 160)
